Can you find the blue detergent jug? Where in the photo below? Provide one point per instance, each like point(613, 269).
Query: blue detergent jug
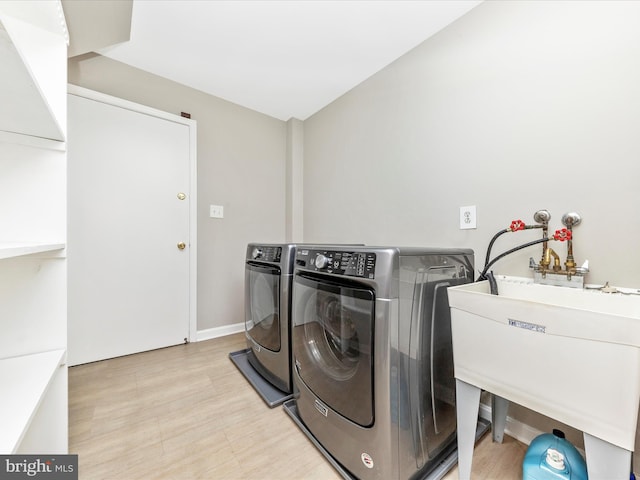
point(551, 457)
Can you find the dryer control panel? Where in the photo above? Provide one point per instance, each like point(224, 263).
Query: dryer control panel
point(352, 264)
point(266, 253)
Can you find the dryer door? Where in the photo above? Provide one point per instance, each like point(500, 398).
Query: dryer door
point(262, 304)
point(333, 344)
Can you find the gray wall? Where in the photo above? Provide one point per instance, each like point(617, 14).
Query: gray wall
point(515, 107)
point(241, 166)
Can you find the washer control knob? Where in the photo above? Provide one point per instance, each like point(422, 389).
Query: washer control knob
point(256, 252)
point(321, 261)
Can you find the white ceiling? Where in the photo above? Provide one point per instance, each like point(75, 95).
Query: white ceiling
point(282, 58)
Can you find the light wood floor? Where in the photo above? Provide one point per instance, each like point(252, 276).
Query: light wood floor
point(186, 412)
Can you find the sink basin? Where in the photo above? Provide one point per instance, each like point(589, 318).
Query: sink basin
point(570, 354)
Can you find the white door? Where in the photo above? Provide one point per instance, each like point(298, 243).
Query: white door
point(128, 236)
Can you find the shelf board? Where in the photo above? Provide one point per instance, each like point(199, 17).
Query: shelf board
point(16, 249)
point(24, 381)
point(26, 109)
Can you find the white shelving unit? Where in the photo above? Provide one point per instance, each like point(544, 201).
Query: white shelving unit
point(33, 272)
point(29, 49)
point(26, 382)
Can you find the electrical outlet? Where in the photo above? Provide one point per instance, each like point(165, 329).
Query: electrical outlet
point(467, 217)
point(216, 211)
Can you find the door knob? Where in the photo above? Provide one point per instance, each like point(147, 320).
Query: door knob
point(181, 196)
point(181, 245)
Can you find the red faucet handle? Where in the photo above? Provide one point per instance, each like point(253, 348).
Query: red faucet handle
point(517, 225)
point(562, 235)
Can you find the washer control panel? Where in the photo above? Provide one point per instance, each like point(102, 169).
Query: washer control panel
point(266, 253)
point(352, 264)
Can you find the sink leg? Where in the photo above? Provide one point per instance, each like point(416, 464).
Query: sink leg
point(605, 460)
point(467, 406)
point(499, 407)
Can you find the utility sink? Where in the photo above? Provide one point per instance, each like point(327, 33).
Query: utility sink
point(570, 354)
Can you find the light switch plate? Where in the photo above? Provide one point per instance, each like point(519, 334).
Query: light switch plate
point(467, 217)
point(216, 211)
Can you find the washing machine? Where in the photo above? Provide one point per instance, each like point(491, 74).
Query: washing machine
point(268, 276)
point(268, 279)
point(373, 361)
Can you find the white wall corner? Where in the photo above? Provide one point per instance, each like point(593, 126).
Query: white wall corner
point(294, 181)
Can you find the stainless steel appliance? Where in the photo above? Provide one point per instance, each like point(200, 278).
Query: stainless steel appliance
point(268, 276)
point(373, 363)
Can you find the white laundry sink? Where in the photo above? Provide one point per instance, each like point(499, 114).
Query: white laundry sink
point(570, 354)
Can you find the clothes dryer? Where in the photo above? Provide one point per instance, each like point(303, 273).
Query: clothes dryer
point(373, 361)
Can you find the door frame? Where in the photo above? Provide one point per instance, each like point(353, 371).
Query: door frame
point(193, 184)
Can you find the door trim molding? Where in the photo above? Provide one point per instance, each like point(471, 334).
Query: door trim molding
point(193, 185)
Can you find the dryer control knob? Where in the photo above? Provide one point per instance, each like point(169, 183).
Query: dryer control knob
point(256, 252)
point(321, 261)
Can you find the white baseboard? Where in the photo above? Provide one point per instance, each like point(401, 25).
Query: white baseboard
point(216, 332)
point(520, 431)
